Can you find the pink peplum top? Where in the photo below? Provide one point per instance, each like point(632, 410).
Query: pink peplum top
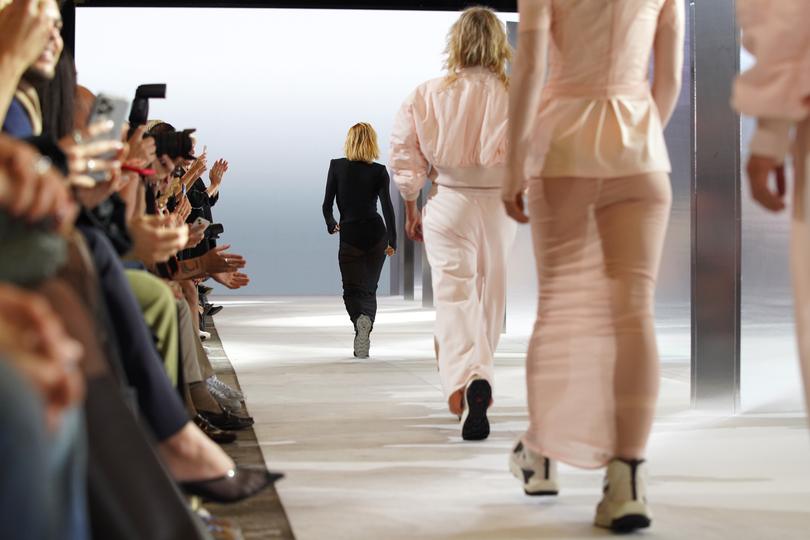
point(597, 115)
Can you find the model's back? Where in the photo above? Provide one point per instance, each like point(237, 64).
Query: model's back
point(599, 45)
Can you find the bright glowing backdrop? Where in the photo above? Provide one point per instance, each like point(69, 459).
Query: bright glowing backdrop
point(273, 91)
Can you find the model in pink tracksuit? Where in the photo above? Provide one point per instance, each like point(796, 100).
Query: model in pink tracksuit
point(776, 91)
point(454, 132)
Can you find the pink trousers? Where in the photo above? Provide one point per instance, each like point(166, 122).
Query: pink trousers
point(592, 366)
point(467, 239)
point(800, 249)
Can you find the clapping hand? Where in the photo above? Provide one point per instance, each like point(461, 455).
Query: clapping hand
point(195, 171)
point(218, 261)
point(232, 280)
point(217, 172)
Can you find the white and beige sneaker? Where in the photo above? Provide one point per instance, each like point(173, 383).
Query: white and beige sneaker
point(623, 508)
point(538, 474)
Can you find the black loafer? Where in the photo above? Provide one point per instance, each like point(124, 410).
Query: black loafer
point(227, 420)
point(215, 434)
point(238, 484)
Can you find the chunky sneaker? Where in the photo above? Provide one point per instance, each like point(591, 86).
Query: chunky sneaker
point(623, 508)
point(215, 383)
point(474, 422)
point(362, 341)
point(538, 473)
point(224, 401)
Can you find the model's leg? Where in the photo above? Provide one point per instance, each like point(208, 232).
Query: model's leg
point(374, 262)
point(352, 273)
point(632, 215)
point(570, 356)
point(451, 248)
point(498, 237)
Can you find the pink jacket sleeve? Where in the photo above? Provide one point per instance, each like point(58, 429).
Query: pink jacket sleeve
point(777, 33)
point(407, 161)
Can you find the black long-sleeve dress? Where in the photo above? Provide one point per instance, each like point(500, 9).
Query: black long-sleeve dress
point(357, 186)
point(363, 237)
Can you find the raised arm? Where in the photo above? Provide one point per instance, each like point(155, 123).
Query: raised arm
point(329, 199)
point(407, 161)
point(668, 51)
point(388, 208)
point(528, 76)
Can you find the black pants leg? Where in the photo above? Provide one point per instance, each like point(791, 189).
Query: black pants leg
point(360, 270)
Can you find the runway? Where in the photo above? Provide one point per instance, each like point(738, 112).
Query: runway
point(371, 453)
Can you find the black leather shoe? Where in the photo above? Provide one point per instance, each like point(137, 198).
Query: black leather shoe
point(212, 310)
point(239, 484)
point(227, 420)
point(215, 434)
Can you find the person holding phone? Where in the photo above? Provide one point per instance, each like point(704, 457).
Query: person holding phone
point(357, 182)
point(588, 138)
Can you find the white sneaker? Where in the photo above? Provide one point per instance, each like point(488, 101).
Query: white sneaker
point(537, 473)
point(204, 335)
point(623, 508)
point(362, 339)
point(231, 392)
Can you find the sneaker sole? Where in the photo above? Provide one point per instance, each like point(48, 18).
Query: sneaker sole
point(628, 524)
point(476, 424)
point(362, 342)
point(629, 517)
point(536, 488)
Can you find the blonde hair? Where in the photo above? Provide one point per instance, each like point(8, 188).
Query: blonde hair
point(361, 143)
point(478, 39)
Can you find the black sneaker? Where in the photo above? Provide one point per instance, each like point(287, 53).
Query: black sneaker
point(474, 421)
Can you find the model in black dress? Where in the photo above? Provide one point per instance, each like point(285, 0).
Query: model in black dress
point(364, 239)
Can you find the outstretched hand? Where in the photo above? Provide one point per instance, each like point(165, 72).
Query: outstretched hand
point(232, 280)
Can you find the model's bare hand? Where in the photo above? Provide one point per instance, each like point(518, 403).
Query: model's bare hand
point(759, 175)
point(516, 208)
point(413, 222)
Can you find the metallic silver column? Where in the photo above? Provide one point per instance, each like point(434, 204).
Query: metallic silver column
point(716, 209)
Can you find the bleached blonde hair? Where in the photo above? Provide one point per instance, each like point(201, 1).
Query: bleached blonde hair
point(361, 143)
point(478, 39)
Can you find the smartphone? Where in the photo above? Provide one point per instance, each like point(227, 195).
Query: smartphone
point(108, 108)
point(201, 221)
